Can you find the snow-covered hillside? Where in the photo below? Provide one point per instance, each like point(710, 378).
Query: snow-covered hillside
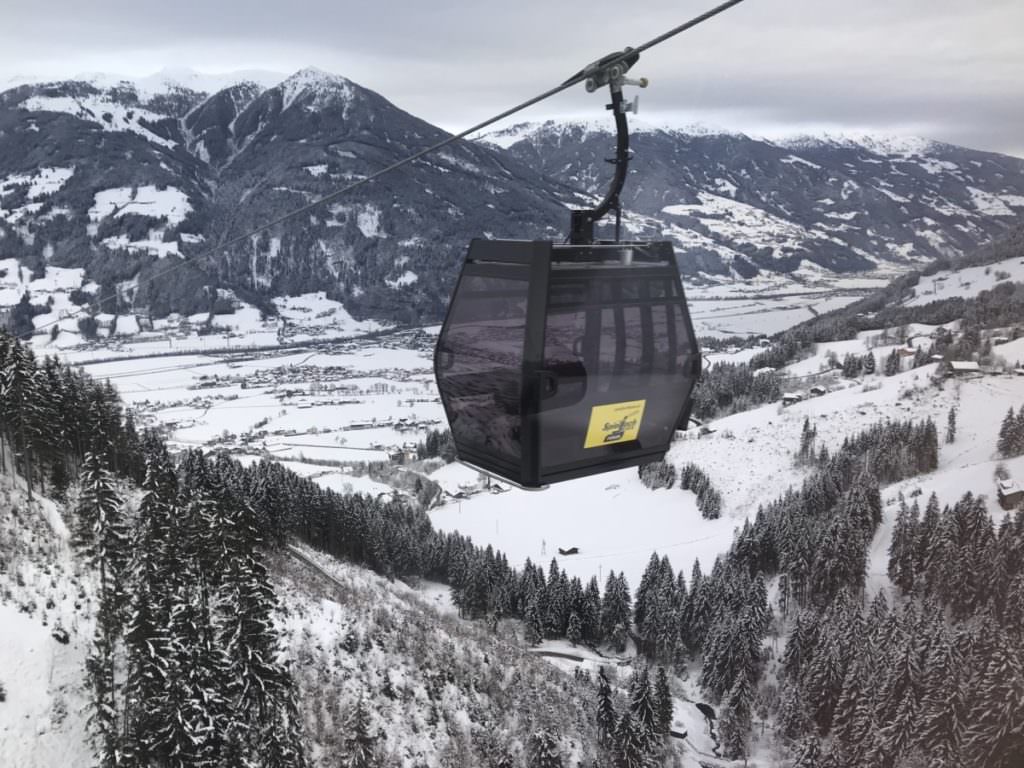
point(750, 457)
point(46, 607)
point(440, 691)
point(968, 281)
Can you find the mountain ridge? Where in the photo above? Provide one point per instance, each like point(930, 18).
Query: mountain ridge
point(734, 205)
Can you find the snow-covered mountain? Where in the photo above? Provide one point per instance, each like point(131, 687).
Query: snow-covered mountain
point(229, 161)
point(113, 175)
point(742, 204)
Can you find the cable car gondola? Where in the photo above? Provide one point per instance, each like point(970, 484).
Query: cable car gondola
point(557, 361)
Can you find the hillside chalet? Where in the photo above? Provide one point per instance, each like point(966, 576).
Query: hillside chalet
point(1009, 493)
point(964, 368)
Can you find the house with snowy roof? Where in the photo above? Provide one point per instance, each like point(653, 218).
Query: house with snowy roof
point(1010, 494)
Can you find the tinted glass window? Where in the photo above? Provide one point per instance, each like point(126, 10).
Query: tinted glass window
point(564, 378)
point(626, 343)
point(480, 363)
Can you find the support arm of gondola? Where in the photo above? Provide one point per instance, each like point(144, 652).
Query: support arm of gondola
point(598, 74)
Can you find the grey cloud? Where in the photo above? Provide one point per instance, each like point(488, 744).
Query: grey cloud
point(951, 68)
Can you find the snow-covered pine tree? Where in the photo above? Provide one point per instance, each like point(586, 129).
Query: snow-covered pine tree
point(534, 623)
point(943, 713)
point(1008, 443)
point(902, 549)
point(995, 731)
point(360, 747)
point(631, 749)
point(544, 751)
point(664, 705)
point(657, 474)
point(734, 722)
point(260, 689)
point(605, 709)
point(642, 706)
point(647, 584)
point(146, 641)
point(615, 611)
point(574, 632)
point(892, 363)
point(853, 721)
point(20, 401)
point(101, 536)
point(808, 753)
point(1018, 433)
point(951, 425)
point(927, 537)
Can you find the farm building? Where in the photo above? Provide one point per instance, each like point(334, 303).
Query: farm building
point(789, 398)
point(963, 367)
point(1009, 493)
point(818, 390)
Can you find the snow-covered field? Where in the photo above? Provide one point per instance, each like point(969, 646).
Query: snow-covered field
point(769, 306)
point(614, 520)
point(966, 282)
point(322, 410)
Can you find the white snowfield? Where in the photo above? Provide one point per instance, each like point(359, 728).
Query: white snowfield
point(614, 521)
point(110, 115)
point(170, 203)
point(970, 281)
point(737, 220)
point(44, 181)
point(406, 278)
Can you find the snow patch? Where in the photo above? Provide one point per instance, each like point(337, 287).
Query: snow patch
point(171, 203)
point(110, 115)
point(989, 204)
point(407, 278)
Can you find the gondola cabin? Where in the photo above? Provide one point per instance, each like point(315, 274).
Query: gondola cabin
point(560, 361)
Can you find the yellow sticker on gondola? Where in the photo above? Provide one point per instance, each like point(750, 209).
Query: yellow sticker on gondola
point(614, 423)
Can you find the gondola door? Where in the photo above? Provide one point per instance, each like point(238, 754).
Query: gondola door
point(618, 367)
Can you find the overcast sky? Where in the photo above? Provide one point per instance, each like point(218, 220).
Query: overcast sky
point(947, 69)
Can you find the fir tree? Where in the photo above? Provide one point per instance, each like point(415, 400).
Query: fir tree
point(574, 632)
point(663, 703)
point(615, 611)
point(605, 709)
point(544, 751)
point(630, 744)
point(146, 640)
point(735, 720)
point(943, 716)
point(995, 734)
point(892, 363)
point(360, 747)
point(642, 706)
point(102, 538)
point(951, 425)
point(534, 624)
point(1009, 442)
point(808, 754)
